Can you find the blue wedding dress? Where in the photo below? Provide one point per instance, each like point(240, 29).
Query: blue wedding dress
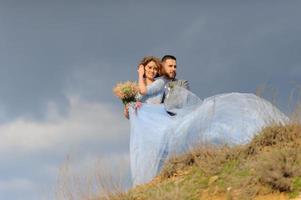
point(231, 118)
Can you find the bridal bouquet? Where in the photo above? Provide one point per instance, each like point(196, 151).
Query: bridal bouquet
point(126, 91)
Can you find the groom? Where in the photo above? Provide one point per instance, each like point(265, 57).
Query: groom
point(169, 63)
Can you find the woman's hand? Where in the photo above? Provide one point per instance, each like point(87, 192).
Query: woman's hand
point(141, 71)
point(141, 83)
point(137, 106)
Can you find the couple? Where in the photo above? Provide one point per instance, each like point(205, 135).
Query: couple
point(155, 78)
point(168, 119)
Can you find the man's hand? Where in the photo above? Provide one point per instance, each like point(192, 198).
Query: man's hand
point(183, 83)
point(126, 111)
point(138, 105)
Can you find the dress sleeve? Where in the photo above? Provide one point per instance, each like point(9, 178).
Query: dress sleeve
point(155, 87)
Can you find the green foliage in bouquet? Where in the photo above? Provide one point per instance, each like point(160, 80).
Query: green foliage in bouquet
point(126, 91)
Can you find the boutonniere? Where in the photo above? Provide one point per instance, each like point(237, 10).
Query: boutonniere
point(170, 88)
point(171, 85)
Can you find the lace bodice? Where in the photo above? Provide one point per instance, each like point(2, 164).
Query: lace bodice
point(154, 92)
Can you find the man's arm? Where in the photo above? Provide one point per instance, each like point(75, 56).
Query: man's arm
point(126, 111)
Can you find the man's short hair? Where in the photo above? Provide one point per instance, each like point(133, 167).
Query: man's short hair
point(164, 58)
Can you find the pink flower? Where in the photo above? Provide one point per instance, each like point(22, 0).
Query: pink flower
point(138, 104)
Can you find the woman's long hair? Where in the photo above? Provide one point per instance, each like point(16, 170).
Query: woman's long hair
point(157, 61)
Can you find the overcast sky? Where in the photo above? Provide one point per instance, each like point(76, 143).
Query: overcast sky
point(59, 60)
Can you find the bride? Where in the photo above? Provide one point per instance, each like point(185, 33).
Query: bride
point(231, 118)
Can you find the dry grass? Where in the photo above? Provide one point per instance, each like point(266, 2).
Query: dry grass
point(268, 164)
point(208, 158)
point(278, 168)
point(92, 181)
point(277, 136)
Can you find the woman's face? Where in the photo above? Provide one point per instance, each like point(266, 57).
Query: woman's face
point(151, 70)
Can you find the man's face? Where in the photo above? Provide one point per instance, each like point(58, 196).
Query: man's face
point(170, 68)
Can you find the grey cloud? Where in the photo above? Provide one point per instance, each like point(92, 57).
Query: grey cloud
point(33, 151)
point(224, 44)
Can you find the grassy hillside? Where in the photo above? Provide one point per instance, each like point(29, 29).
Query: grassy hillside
point(269, 167)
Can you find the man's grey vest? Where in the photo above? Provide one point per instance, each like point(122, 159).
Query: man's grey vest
point(169, 98)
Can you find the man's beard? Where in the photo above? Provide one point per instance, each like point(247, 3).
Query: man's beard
point(172, 75)
point(169, 75)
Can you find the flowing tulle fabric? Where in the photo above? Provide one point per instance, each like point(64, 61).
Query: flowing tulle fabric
point(148, 142)
point(231, 118)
